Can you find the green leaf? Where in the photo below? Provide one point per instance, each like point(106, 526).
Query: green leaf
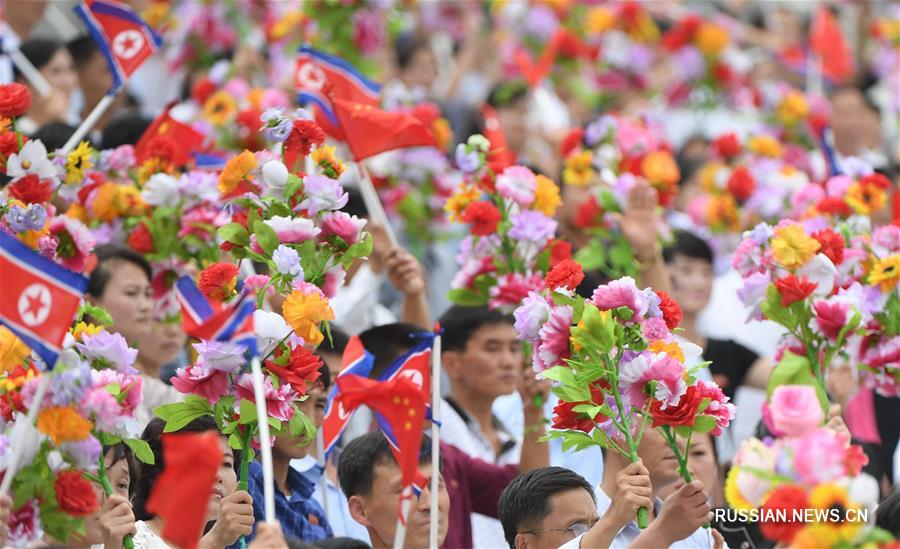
point(247, 411)
point(97, 314)
point(363, 248)
point(796, 370)
point(280, 209)
point(607, 201)
point(301, 426)
point(562, 374)
point(266, 237)
point(598, 332)
point(775, 311)
point(141, 450)
point(234, 233)
point(292, 185)
point(467, 297)
point(704, 424)
point(179, 414)
point(591, 257)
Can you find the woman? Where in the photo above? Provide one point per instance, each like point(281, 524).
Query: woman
point(231, 509)
point(120, 283)
point(163, 346)
point(55, 64)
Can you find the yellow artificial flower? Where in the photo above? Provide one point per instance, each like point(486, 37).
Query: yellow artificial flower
point(456, 204)
point(129, 201)
point(304, 312)
point(711, 39)
point(722, 213)
point(765, 145)
point(12, 351)
point(733, 495)
point(707, 176)
point(77, 211)
point(792, 247)
point(84, 328)
point(155, 14)
point(324, 158)
point(220, 108)
point(660, 168)
point(442, 132)
point(236, 170)
point(63, 424)
point(865, 198)
point(5, 124)
point(288, 22)
point(546, 196)
point(885, 272)
point(599, 20)
point(78, 162)
point(833, 496)
point(103, 206)
point(578, 170)
point(793, 109)
point(671, 348)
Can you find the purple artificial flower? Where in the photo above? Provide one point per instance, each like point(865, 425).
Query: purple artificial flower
point(532, 227)
point(287, 261)
point(531, 315)
point(322, 193)
point(753, 292)
point(109, 348)
point(760, 234)
point(275, 127)
point(599, 130)
point(71, 385)
point(467, 161)
point(47, 246)
point(30, 218)
point(690, 63)
point(200, 186)
point(83, 453)
point(224, 356)
point(541, 22)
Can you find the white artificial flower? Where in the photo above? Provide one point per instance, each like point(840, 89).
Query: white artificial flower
point(275, 175)
point(822, 271)
point(32, 159)
point(161, 190)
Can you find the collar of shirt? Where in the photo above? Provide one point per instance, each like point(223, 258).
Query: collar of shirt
point(507, 440)
point(300, 487)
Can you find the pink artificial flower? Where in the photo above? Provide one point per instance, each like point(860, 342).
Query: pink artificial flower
point(719, 405)
point(887, 237)
point(819, 456)
point(748, 258)
point(511, 289)
point(633, 139)
point(795, 410)
point(272, 98)
point(101, 406)
point(518, 184)
point(837, 186)
point(472, 269)
point(278, 401)
point(201, 380)
point(202, 222)
point(290, 230)
point(130, 386)
point(830, 317)
point(808, 195)
point(552, 345)
point(24, 524)
point(257, 282)
point(634, 374)
point(74, 242)
point(343, 225)
point(334, 281)
point(622, 293)
point(655, 328)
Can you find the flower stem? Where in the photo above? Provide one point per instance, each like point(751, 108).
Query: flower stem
point(127, 541)
point(243, 482)
point(642, 513)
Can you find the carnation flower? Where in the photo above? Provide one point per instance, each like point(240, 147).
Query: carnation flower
point(15, 100)
point(202, 380)
point(304, 134)
point(109, 348)
point(322, 193)
point(301, 370)
point(531, 315)
point(511, 289)
point(552, 345)
point(63, 424)
point(565, 274)
point(74, 242)
point(791, 246)
point(31, 189)
point(531, 227)
point(287, 261)
point(634, 374)
point(719, 405)
point(24, 524)
point(793, 289)
point(342, 225)
point(830, 317)
point(518, 184)
point(278, 401)
point(218, 281)
point(220, 355)
point(483, 216)
point(304, 309)
point(621, 293)
point(293, 229)
point(161, 190)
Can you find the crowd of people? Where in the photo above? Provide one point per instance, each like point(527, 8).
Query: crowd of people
point(709, 189)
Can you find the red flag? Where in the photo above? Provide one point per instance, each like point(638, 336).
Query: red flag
point(185, 138)
point(401, 403)
point(355, 361)
point(827, 40)
point(895, 201)
point(369, 130)
point(500, 156)
point(182, 490)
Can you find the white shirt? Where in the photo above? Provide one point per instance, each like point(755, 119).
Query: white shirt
point(356, 305)
point(336, 507)
point(147, 538)
point(154, 393)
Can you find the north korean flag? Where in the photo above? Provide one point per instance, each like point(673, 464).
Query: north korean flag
point(357, 361)
point(39, 298)
point(124, 38)
point(205, 319)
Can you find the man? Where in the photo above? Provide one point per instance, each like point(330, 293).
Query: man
point(301, 516)
point(370, 478)
point(551, 506)
point(483, 358)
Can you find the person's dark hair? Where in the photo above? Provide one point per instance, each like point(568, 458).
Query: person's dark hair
point(506, 93)
point(887, 516)
point(526, 500)
point(82, 49)
point(356, 470)
point(125, 130)
point(688, 245)
point(54, 135)
point(355, 203)
point(341, 543)
point(338, 342)
point(324, 377)
point(407, 45)
point(388, 342)
point(102, 274)
point(39, 51)
point(461, 322)
point(149, 473)
point(119, 452)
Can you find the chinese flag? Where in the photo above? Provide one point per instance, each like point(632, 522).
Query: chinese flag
point(369, 130)
point(828, 42)
point(186, 138)
point(182, 490)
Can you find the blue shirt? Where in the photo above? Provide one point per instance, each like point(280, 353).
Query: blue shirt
point(338, 509)
point(300, 515)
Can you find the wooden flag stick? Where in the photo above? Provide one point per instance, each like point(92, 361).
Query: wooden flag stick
point(435, 438)
point(265, 440)
point(31, 73)
point(18, 447)
point(89, 122)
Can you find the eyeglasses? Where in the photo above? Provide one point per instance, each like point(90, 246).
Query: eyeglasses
point(577, 529)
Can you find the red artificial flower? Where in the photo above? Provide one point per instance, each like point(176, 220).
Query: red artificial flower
point(741, 184)
point(248, 129)
point(685, 413)
point(571, 141)
point(9, 144)
point(875, 179)
point(10, 403)
point(565, 417)
point(141, 240)
point(589, 214)
point(218, 280)
point(834, 206)
point(15, 99)
point(301, 369)
point(162, 147)
point(831, 318)
point(832, 243)
point(671, 310)
point(727, 146)
point(793, 289)
point(486, 182)
point(304, 135)
point(566, 274)
point(723, 74)
point(74, 493)
point(483, 216)
point(788, 497)
point(560, 250)
point(31, 189)
point(854, 460)
point(202, 89)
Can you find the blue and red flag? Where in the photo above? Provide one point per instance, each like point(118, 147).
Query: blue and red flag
point(320, 77)
point(356, 361)
point(212, 320)
point(39, 298)
point(125, 39)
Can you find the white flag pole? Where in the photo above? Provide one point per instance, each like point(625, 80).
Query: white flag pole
point(373, 204)
point(405, 505)
point(435, 438)
point(265, 440)
point(89, 122)
point(323, 482)
point(34, 76)
point(17, 449)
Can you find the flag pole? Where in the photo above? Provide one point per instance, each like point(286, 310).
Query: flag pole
point(89, 122)
point(435, 437)
point(405, 504)
point(323, 462)
point(265, 440)
point(373, 204)
point(31, 73)
point(29, 419)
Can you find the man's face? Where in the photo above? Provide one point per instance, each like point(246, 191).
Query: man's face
point(658, 458)
point(314, 405)
point(692, 281)
point(377, 511)
point(490, 363)
point(567, 508)
point(95, 78)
